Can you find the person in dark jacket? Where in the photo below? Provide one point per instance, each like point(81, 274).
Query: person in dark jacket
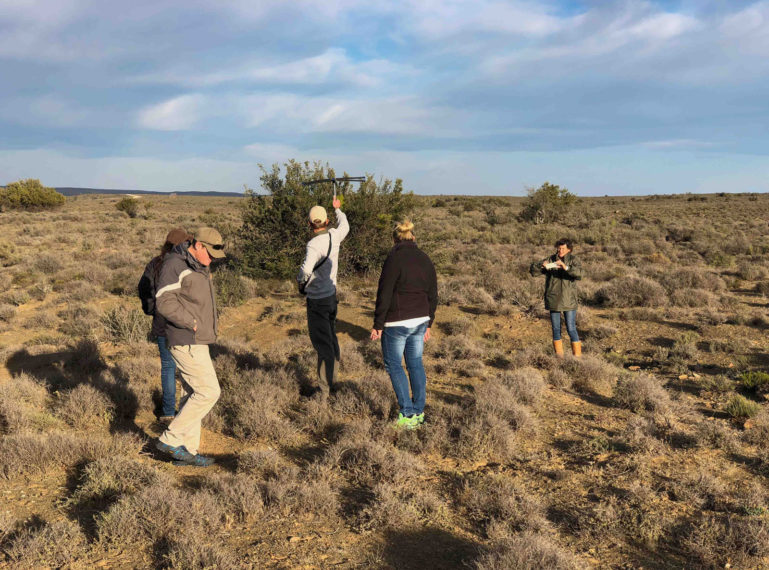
point(147, 289)
point(406, 300)
point(186, 299)
point(561, 270)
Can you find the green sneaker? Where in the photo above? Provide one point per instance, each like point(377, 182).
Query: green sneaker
point(407, 422)
point(420, 418)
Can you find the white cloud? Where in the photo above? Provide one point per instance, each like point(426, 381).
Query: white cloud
point(177, 114)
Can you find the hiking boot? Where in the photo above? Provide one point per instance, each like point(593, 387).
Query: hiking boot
point(420, 418)
point(179, 453)
point(406, 422)
point(196, 461)
point(166, 419)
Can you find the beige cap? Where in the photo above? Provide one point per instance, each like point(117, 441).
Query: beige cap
point(318, 215)
point(212, 240)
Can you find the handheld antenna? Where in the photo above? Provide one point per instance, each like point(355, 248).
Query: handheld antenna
point(334, 181)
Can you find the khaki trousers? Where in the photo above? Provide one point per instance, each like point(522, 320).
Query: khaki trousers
point(202, 391)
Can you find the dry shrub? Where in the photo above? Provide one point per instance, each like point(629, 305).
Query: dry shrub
point(558, 378)
point(57, 544)
point(715, 435)
point(631, 292)
point(160, 512)
point(47, 264)
point(497, 400)
point(693, 298)
point(456, 326)
point(124, 325)
point(239, 495)
point(254, 408)
point(372, 395)
point(641, 435)
point(758, 432)
point(486, 436)
point(400, 507)
point(23, 402)
point(7, 312)
point(109, 478)
point(526, 384)
point(366, 462)
point(78, 322)
point(497, 499)
point(527, 551)
point(714, 540)
point(185, 553)
point(591, 374)
point(29, 453)
point(85, 408)
point(639, 392)
point(701, 489)
point(692, 278)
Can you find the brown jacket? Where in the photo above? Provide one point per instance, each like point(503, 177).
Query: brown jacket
point(185, 298)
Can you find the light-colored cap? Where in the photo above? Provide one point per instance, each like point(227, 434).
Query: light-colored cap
point(318, 215)
point(212, 240)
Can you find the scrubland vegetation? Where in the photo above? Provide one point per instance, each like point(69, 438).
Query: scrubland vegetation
point(652, 450)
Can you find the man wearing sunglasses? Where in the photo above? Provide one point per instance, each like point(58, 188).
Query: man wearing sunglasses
point(185, 298)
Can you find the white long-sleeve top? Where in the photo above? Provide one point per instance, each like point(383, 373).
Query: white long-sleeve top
point(322, 281)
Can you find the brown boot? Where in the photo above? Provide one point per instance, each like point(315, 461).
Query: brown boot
point(558, 346)
point(576, 349)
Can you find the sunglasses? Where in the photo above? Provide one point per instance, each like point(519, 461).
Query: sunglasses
point(217, 247)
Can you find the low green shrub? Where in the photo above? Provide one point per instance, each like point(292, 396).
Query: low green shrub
point(741, 407)
point(757, 381)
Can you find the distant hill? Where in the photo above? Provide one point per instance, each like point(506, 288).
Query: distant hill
point(78, 191)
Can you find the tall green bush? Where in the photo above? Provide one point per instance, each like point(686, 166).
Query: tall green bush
point(548, 203)
point(128, 205)
point(275, 228)
point(29, 194)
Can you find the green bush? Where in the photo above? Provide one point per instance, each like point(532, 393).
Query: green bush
point(548, 203)
point(740, 407)
point(128, 205)
point(29, 194)
point(231, 291)
point(758, 381)
point(275, 230)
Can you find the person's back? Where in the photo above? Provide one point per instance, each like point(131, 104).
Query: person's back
point(323, 279)
point(317, 278)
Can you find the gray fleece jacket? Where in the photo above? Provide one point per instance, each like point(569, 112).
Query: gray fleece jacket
point(185, 298)
point(321, 283)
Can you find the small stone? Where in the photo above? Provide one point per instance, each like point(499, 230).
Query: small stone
point(683, 377)
point(294, 538)
point(634, 368)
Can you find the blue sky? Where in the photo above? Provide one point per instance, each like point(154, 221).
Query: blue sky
point(455, 96)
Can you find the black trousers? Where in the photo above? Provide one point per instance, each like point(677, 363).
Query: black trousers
point(321, 321)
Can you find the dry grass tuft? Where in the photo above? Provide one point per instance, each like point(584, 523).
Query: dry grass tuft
point(59, 544)
point(639, 392)
point(527, 551)
point(85, 408)
point(23, 405)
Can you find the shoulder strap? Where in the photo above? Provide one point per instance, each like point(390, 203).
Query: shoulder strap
point(328, 253)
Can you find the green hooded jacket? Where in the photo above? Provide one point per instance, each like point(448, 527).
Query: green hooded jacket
point(560, 285)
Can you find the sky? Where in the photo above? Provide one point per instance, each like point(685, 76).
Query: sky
point(453, 96)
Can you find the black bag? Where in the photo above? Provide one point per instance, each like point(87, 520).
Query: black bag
point(303, 284)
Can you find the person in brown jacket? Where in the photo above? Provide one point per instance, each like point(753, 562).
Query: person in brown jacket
point(185, 298)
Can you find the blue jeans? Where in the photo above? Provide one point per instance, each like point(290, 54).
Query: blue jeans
point(167, 379)
point(398, 342)
point(571, 324)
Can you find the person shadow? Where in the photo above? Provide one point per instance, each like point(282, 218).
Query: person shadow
point(356, 332)
point(82, 364)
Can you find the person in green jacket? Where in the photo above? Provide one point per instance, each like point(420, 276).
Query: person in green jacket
point(561, 271)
